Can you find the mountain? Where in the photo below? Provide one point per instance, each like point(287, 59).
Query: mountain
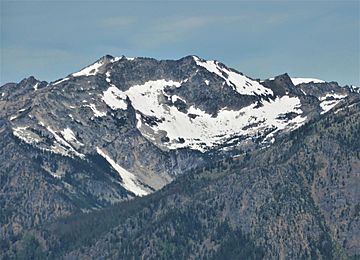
point(298, 198)
point(124, 128)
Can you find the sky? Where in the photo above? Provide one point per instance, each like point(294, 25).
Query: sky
point(51, 39)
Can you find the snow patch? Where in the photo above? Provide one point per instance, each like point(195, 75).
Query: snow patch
point(63, 143)
point(298, 81)
point(115, 59)
point(129, 180)
point(90, 70)
point(69, 136)
point(60, 81)
point(13, 117)
point(115, 98)
point(175, 97)
point(329, 101)
point(355, 89)
point(97, 113)
point(242, 84)
point(328, 105)
point(36, 86)
point(303, 92)
point(108, 74)
point(17, 115)
point(144, 97)
point(332, 96)
point(25, 135)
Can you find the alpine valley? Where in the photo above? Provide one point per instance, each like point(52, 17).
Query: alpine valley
point(138, 158)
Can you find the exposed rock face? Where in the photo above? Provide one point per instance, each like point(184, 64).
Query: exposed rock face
point(126, 127)
point(33, 191)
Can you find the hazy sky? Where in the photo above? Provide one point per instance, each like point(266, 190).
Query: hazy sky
point(51, 39)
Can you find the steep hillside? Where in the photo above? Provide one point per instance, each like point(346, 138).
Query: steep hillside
point(296, 199)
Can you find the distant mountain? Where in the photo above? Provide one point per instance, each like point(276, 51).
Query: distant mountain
point(123, 127)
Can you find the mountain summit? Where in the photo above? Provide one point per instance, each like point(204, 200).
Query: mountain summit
point(128, 110)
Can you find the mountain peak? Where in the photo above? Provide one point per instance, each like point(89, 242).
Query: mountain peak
point(30, 80)
point(285, 78)
point(106, 57)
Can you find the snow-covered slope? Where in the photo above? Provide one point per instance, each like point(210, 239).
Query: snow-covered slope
point(242, 84)
point(298, 81)
point(197, 129)
point(129, 180)
point(90, 70)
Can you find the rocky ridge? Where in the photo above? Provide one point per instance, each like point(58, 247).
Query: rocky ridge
point(126, 127)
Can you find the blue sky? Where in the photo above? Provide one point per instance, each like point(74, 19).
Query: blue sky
point(50, 39)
